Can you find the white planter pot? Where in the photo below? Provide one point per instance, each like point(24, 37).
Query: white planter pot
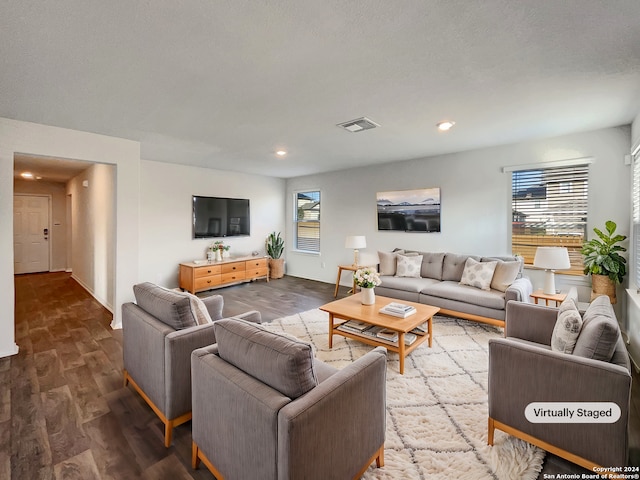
point(368, 296)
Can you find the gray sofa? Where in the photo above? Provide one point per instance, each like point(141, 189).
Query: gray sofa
point(159, 333)
point(265, 408)
point(438, 284)
point(594, 368)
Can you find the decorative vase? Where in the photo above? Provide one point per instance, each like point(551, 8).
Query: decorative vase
point(210, 256)
point(368, 296)
point(218, 255)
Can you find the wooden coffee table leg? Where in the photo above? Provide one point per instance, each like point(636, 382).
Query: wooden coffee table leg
point(401, 351)
point(430, 330)
point(330, 330)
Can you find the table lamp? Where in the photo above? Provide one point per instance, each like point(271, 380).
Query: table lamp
point(551, 259)
point(355, 242)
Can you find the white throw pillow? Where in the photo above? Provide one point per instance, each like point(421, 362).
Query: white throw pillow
point(387, 263)
point(409, 266)
point(478, 274)
point(567, 327)
point(504, 275)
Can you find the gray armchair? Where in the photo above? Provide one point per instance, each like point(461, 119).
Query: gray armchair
point(264, 407)
point(159, 334)
point(524, 369)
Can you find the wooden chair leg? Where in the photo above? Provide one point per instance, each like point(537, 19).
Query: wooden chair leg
point(195, 460)
point(126, 378)
point(168, 433)
point(490, 431)
point(380, 458)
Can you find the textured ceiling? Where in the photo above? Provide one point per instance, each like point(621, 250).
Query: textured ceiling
point(224, 84)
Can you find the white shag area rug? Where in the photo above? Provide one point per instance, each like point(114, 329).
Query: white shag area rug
point(437, 410)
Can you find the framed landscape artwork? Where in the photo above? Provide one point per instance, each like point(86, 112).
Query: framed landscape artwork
point(409, 210)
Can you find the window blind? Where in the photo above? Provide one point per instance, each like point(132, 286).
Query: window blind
point(307, 221)
point(549, 208)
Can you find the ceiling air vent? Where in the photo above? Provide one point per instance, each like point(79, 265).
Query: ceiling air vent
point(358, 125)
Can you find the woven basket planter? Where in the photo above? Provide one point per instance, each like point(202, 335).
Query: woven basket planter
point(276, 267)
point(602, 285)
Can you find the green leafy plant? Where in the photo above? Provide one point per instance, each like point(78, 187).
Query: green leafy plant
point(601, 255)
point(275, 245)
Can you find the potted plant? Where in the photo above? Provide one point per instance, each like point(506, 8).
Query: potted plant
point(602, 260)
point(275, 247)
point(217, 249)
point(367, 279)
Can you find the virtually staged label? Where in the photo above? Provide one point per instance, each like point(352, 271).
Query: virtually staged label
point(572, 412)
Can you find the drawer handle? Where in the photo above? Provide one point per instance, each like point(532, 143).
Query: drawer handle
point(208, 281)
point(208, 271)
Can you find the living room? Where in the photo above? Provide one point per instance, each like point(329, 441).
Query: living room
point(151, 208)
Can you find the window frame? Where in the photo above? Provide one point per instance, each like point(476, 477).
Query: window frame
point(634, 260)
point(296, 221)
point(572, 242)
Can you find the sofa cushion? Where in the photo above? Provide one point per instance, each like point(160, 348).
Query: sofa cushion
point(504, 275)
point(408, 266)
point(600, 331)
point(567, 327)
point(168, 307)
point(408, 284)
point(453, 266)
point(478, 274)
point(283, 363)
point(463, 293)
point(431, 265)
point(387, 264)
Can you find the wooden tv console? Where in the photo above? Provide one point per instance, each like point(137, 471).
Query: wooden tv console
point(197, 277)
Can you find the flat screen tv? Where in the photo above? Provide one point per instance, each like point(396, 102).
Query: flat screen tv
point(220, 217)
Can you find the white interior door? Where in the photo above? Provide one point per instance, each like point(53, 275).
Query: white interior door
point(31, 233)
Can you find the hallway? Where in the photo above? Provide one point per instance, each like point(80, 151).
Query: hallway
point(66, 413)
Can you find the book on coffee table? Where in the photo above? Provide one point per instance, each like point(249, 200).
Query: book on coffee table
point(398, 310)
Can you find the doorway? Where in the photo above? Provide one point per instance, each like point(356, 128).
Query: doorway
point(31, 232)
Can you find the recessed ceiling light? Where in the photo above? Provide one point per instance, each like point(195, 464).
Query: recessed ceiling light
point(26, 175)
point(281, 153)
point(444, 126)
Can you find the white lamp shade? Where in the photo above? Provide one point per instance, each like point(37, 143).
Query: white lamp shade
point(552, 258)
point(356, 241)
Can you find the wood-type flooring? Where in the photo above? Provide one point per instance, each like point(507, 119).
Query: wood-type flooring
point(65, 414)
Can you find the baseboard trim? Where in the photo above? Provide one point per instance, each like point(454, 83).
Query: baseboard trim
point(10, 352)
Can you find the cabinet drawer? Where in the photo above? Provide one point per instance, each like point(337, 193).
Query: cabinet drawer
point(232, 277)
point(204, 283)
point(256, 272)
point(233, 267)
point(257, 263)
point(206, 271)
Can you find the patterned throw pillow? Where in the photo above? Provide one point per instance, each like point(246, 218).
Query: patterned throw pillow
point(409, 266)
point(478, 274)
point(567, 328)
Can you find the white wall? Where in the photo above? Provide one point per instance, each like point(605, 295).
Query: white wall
point(58, 220)
point(31, 138)
point(475, 196)
point(93, 231)
point(166, 209)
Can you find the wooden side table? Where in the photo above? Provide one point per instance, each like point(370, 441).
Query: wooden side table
point(553, 297)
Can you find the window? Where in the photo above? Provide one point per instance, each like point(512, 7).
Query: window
point(307, 221)
point(549, 208)
point(635, 197)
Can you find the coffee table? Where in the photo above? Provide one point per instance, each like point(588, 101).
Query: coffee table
point(351, 308)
